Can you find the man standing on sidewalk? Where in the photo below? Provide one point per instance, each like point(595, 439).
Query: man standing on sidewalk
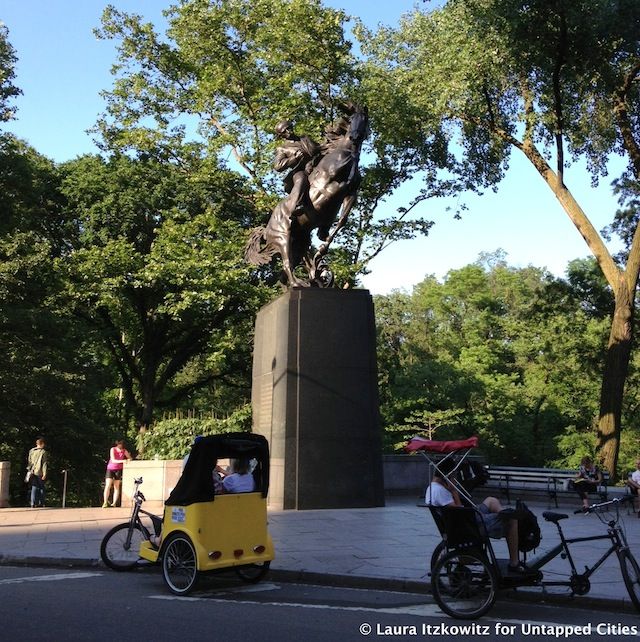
point(37, 465)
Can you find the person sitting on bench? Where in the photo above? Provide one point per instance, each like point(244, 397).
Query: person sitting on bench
point(634, 486)
point(588, 479)
point(441, 492)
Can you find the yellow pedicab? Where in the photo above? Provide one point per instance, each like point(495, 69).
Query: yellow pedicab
point(203, 531)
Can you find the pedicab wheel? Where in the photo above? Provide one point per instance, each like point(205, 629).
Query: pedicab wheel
point(438, 552)
point(252, 573)
point(631, 576)
point(114, 550)
point(179, 564)
point(464, 584)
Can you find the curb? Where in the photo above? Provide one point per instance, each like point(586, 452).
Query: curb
point(360, 582)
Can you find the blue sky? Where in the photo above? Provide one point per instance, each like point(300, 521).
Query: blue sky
point(62, 67)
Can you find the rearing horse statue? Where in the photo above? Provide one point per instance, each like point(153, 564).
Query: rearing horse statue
point(323, 181)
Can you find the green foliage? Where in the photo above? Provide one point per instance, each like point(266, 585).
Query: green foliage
point(496, 72)
point(8, 90)
point(556, 81)
point(573, 445)
point(432, 424)
point(629, 452)
point(47, 388)
point(134, 258)
point(232, 69)
point(490, 351)
point(157, 270)
point(173, 438)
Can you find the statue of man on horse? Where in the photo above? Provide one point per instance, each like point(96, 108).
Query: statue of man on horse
point(322, 182)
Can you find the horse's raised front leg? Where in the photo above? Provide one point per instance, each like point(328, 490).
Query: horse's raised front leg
point(346, 207)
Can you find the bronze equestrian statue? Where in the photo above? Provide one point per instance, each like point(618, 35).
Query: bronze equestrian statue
point(323, 181)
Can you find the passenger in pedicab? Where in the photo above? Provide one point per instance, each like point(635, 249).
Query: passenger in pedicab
point(442, 492)
point(240, 480)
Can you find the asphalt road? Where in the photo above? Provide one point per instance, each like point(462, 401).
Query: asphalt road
point(96, 604)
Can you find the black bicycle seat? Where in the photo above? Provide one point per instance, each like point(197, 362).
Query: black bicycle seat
point(554, 517)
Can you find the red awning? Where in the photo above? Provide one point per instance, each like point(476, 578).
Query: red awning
point(420, 443)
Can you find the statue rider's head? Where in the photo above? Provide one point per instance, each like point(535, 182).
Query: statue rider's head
point(284, 129)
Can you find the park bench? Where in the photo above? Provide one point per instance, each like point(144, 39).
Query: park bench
point(551, 481)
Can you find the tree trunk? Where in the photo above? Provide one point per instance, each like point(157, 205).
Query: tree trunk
point(615, 373)
point(148, 404)
point(623, 284)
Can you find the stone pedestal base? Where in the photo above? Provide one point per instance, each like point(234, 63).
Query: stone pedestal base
point(315, 399)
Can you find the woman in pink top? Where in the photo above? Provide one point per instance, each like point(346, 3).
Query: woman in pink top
point(117, 455)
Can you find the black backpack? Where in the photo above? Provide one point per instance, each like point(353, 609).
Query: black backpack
point(472, 474)
point(529, 535)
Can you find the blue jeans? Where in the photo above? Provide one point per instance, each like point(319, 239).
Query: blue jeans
point(37, 491)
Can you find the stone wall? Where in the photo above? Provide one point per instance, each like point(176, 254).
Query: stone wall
point(159, 478)
point(403, 474)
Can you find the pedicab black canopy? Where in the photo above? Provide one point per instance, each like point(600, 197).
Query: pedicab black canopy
point(196, 483)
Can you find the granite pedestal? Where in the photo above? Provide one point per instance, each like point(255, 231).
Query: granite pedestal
point(315, 398)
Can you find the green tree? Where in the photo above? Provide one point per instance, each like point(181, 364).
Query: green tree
point(556, 81)
point(220, 79)
point(8, 90)
point(496, 349)
point(46, 388)
point(156, 271)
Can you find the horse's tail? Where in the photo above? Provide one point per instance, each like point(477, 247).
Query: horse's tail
point(254, 252)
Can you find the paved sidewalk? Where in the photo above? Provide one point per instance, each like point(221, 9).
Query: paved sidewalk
point(385, 547)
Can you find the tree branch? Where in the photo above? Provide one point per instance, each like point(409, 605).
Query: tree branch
point(621, 115)
point(557, 97)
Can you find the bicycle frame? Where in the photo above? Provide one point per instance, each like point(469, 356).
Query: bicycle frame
point(614, 534)
point(136, 521)
point(563, 547)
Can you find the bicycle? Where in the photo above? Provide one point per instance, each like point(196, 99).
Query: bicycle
point(466, 577)
point(579, 582)
point(120, 547)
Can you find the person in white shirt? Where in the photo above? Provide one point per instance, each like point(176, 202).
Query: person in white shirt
point(441, 492)
point(634, 484)
point(241, 480)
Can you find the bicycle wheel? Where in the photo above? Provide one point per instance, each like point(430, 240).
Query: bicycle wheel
point(438, 552)
point(630, 575)
point(252, 573)
point(114, 550)
point(463, 584)
point(179, 564)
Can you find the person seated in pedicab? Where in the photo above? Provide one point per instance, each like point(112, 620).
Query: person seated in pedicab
point(634, 486)
point(240, 480)
point(442, 492)
point(587, 481)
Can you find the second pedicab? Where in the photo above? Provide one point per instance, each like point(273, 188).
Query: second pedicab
point(203, 531)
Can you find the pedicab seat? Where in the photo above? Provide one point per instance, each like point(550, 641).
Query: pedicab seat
point(459, 526)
